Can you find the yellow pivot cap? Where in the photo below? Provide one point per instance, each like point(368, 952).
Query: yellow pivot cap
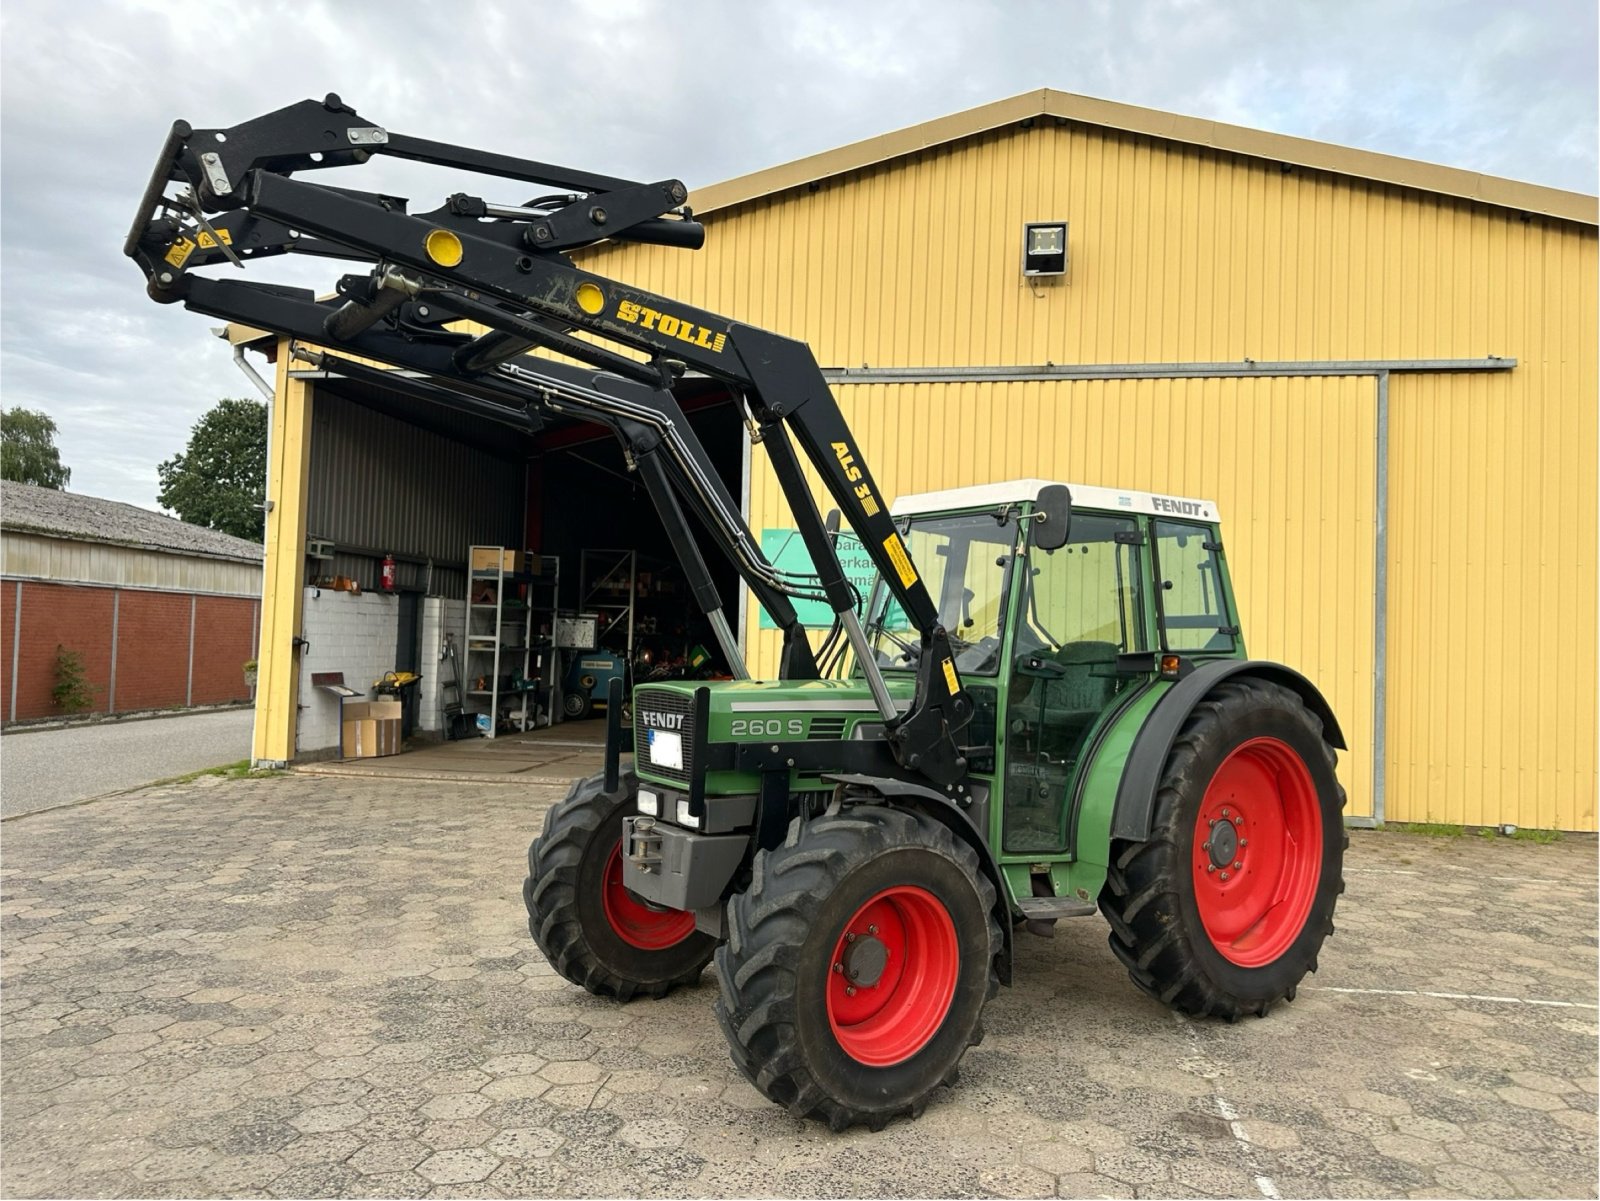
point(443, 247)
point(589, 297)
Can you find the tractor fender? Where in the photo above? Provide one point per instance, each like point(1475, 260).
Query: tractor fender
point(942, 809)
point(1136, 791)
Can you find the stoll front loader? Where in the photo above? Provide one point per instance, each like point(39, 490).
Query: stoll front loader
point(1044, 707)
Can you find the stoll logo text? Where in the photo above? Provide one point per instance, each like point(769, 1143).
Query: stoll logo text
point(662, 721)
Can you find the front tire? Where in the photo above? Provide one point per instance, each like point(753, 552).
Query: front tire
point(858, 964)
point(590, 927)
point(1224, 908)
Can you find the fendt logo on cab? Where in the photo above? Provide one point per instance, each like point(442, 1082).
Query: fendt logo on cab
point(1190, 508)
point(662, 721)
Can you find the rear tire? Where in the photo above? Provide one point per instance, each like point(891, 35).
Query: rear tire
point(591, 929)
point(857, 965)
point(1224, 909)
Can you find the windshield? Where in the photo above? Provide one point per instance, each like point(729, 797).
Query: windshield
point(963, 562)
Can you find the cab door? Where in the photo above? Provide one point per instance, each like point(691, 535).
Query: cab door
point(1079, 607)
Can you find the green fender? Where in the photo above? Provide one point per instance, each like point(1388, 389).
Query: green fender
point(1136, 790)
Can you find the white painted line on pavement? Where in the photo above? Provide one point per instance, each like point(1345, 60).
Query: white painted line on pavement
point(1230, 1115)
point(1449, 996)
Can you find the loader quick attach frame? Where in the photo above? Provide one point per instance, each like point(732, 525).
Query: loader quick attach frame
point(505, 267)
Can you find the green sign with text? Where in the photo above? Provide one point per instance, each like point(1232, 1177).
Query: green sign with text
point(786, 551)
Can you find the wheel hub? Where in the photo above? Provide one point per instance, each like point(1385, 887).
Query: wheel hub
point(1258, 844)
point(864, 961)
point(1223, 845)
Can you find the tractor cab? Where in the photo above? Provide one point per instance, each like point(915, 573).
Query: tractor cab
point(1060, 602)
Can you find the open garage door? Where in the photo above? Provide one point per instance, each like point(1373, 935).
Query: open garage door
point(1289, 460)
point(589, 510)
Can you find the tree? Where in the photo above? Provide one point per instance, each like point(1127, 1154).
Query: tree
point(28, 451)
point(219, 480)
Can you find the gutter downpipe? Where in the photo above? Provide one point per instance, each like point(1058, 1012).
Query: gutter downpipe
point(269, 394)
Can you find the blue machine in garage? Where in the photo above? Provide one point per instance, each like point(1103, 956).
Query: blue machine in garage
point(588, 682)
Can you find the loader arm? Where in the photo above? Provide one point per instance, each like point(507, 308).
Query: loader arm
point(505, 266)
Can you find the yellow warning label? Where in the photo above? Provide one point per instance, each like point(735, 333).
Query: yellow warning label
point(950, 678)
point(901, 560)
point(179, 252)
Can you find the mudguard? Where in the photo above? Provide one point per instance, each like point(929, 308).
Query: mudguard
point(939, 807)
point(1136, 792)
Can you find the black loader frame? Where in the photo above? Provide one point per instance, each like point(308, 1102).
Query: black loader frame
point(505, 267)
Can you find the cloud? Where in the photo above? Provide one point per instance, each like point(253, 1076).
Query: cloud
point(653, 90)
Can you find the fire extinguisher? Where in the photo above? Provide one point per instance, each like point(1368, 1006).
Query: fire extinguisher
point(388, 573)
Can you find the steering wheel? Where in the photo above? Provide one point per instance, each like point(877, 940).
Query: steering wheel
point(910, 651)
point(979, 655)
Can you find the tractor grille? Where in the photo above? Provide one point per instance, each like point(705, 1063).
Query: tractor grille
point(653, 701)
point(828, 727)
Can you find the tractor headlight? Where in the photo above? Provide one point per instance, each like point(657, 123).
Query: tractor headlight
point(685, 818)
point(649, 803)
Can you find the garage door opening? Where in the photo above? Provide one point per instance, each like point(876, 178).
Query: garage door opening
point(630, 612)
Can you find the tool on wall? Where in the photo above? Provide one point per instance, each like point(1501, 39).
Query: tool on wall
point(456, 722)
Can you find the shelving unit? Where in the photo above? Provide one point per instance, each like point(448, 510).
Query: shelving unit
point(608, 583)
point(544, 599)
point(499, 638)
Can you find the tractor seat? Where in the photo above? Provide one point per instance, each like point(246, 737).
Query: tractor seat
point(1073, 701)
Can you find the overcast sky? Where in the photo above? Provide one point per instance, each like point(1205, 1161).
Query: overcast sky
point(697, 91)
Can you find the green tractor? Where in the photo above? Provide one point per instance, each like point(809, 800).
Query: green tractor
point(1123, 756)
point(1044, 707)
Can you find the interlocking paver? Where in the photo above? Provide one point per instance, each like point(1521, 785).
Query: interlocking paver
point(331, 993)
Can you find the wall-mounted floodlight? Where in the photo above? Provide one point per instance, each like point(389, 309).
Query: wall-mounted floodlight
point(1044, 248)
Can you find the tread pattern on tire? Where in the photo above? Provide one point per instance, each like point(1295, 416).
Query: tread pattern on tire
point(550, 893)
point(1140, 897)
point(757, 967)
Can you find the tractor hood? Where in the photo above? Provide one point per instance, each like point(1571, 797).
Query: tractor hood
point(746, 711)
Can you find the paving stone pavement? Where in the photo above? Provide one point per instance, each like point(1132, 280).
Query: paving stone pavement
point(303, 986)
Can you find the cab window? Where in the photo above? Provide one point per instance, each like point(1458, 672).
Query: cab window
point(1192, 601)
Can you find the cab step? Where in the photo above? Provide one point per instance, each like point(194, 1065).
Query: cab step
point(1045, 909)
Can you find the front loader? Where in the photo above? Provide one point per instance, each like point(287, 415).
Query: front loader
point(1044, 708)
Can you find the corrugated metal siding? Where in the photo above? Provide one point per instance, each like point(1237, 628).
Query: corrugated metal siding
point(389, 486)
point(1180, 254)
point(1298, 539)
point(30, 556)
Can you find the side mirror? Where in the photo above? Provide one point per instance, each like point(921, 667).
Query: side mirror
point(830, 526)
point(1052, 518)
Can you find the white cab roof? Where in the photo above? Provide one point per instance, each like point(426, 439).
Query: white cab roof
point(1084, 496)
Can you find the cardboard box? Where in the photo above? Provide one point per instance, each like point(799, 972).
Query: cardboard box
point(483, 558)
point(371, 729)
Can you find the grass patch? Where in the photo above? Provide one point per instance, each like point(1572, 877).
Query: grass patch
point(1434, 829)
point(229, 771)
point(1542, 837)
point(1539, 837)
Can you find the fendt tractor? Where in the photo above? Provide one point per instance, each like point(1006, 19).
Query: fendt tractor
point(1042, 709)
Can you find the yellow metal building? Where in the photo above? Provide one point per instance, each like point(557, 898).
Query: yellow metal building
point(1383, 371)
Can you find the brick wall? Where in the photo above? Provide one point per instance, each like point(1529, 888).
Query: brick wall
point(8, 613)
point(77, 619)
point(224, 637)
point(153, 650)
point(353, 634)
point(151, 632)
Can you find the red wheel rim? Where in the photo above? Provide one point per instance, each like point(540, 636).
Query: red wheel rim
point(1257, 852)
point(634, 922)
point(892, 976)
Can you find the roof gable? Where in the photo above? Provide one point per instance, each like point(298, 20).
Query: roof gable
point(1128, 118)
